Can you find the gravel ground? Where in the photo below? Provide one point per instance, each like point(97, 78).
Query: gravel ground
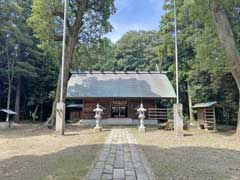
point(199, 155)
point(30, 153)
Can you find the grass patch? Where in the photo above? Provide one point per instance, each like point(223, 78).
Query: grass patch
point(74, 165)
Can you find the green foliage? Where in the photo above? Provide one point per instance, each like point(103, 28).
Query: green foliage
point(99, 56)
point(21, 59)
point(42, 22)
point(39, 88)
point(202, 60)
point(16, 41)
point(137, 50)
point(47, 18)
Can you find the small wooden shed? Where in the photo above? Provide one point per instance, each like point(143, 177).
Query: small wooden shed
point(206, 113)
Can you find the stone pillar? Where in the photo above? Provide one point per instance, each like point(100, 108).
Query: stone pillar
point(60, 118)
point(141, 116)
point(98, 110)
point(178, 120)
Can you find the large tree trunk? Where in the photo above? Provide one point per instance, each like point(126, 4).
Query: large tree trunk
point(70, 48)
point(69, 53)
point(227, 40)
point(9, 99)
point(17, 100)
point(51, 120)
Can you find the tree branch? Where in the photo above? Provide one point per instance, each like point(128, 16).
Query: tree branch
point(81, 7)
point(57, 37)
point(61, 15)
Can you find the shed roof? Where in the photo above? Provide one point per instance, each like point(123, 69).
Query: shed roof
point(75, 106)
point(120, 85)
point(204, 105)
point(8, 111)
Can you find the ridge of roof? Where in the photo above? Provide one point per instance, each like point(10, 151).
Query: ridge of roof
point(205, 104)
point(118, 72)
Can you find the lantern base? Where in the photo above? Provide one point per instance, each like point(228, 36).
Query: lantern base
point(142, 129)
point(97, 129)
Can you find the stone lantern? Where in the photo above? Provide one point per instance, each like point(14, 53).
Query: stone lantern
point(98, 116)
point(141, 111)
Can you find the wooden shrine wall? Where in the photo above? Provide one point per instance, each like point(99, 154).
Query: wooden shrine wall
point(132, 104)
point(90, 105)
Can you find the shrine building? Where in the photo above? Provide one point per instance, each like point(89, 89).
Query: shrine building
point(119, 93)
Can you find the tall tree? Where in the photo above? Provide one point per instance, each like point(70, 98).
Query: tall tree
point(202, 60)
point(186, 53)
point(39, 90)
point(223, 18)
point(227, 39)
point(87, 20)
point(98, 56)
point(15, 46)
point(137, 50)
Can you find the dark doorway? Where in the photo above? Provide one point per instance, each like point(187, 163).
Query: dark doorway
point(119, 109)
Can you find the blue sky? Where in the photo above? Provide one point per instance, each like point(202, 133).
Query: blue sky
point(135, 15)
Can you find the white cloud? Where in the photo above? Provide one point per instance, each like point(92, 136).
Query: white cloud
point(120, 29)
point(145, 22)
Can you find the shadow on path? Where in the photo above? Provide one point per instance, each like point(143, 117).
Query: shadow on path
point(189, 163)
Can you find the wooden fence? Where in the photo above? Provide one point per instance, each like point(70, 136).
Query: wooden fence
point(160, 114)
point(210, 119)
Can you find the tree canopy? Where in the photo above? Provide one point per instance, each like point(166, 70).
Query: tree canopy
point(24, 73)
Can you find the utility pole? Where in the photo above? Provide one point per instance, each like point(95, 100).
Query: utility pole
point(60, 115)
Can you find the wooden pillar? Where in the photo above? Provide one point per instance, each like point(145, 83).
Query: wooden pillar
point(205, 119)
point(214, 119)
point(190, 105)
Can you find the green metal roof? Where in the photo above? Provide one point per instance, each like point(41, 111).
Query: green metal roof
point(120, 85)
point(204, 105)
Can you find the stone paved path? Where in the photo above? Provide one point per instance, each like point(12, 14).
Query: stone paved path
point(120, 159)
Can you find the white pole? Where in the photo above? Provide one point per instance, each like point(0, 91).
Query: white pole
point(176, 51)
point(178, 119)
point(60, 114)
point(63, 49)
